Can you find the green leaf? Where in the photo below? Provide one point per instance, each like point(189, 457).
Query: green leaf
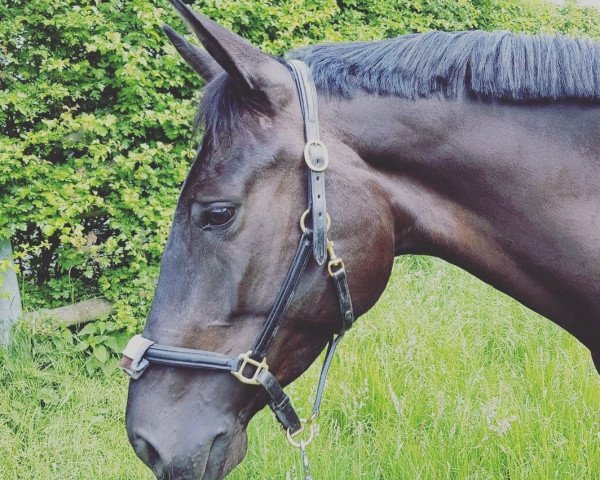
point(101, 353)
point(81, 346)
point(89, 329)
point(92, 365)
point(113, 345)
point(66, 335)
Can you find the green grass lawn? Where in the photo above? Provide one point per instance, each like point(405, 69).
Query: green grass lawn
point(444, 379)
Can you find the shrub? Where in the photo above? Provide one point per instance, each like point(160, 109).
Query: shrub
point(96, 107)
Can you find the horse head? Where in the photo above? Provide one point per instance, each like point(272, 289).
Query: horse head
point(233, 237)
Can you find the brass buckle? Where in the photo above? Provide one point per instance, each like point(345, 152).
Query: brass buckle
point(334, 261)
point(246, 360)
point(308, 158)
point(291, 437)
point(303, 220)
point(334, 264)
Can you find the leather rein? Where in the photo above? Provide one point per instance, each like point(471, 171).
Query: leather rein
point(251, 367)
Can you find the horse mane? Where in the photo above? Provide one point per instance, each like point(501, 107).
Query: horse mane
point(500, 66)
point(489, 65)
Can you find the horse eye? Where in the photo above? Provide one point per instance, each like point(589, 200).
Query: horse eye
point(220, 215)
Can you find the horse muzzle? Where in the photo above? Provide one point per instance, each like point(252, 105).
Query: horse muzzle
point(182, 441)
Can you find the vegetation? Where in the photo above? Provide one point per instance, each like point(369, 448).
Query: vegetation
point(95, 140)
point(445, 378)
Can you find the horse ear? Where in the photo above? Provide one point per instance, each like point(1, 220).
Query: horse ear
point(197, 58)
point(250, 67)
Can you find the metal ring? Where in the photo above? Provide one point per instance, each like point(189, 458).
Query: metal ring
point(302, 443)
point(303, 220)
point(308, 158)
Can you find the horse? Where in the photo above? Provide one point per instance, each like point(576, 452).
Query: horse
point(480, 148)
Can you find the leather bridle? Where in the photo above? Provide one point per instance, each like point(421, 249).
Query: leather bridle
point(251, 367)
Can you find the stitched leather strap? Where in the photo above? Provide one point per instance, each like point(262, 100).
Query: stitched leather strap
point(279, 402)
point(315, 156)
point(343, 292)
point(190, 358)
point(283, 298)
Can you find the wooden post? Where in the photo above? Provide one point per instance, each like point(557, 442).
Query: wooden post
point(76, 314)
point(10, 299)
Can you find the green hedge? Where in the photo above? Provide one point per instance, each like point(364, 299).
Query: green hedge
point(96, 110)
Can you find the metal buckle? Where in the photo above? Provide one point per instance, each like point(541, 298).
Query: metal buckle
point(133, 362)
point(246, 360)
point(311, 435)
point(308, 157)
point(334, 260)
point(303, 220)
point(338, 262)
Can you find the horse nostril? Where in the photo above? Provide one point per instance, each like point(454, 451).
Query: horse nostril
point(191, 461)
point(146, 451)
point(216, 454)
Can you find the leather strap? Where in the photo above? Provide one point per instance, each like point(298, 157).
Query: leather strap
point(315, 155)
point(347, 311)
point(141, 352)
point(331, 347)
point(280, 402)
point(283, 298)
point(191, 358)
point(343, 292)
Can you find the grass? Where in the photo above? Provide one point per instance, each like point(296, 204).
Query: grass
point(444, 379)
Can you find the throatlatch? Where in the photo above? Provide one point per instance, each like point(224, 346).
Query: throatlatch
point(251, 367)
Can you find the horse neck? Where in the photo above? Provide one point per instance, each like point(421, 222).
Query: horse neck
point(476, 183)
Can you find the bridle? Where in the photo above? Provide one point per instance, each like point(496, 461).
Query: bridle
point(251, 367)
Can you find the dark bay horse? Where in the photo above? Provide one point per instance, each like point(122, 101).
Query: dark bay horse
point(479, 148)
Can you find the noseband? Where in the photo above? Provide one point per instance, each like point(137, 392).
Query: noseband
point(251, 367)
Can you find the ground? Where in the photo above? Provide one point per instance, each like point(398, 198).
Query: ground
point(444, 379)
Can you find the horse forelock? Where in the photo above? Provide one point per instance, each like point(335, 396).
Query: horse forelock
point(225, 107)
